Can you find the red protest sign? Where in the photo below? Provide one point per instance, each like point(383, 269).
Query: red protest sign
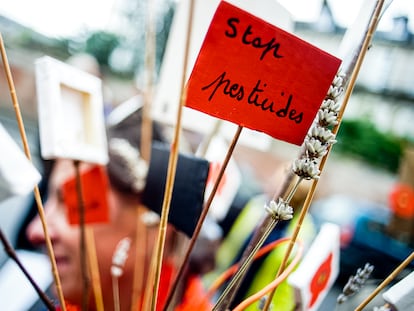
point(258, 76)
point(94, 189)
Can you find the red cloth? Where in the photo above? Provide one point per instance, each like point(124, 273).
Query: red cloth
point(195, 297)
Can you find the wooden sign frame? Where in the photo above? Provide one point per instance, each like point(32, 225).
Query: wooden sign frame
point(71, 115)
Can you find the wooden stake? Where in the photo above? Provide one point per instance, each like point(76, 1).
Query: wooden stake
point(37, 195)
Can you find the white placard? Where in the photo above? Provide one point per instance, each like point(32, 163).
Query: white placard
point(71, 113)
point(401, 295)
point(319, 268)
point(18, 176)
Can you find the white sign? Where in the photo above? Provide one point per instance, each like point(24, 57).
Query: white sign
point(71, 113)
point(18, 176)
point(319, 268)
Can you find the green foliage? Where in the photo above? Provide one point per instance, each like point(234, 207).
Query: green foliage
point(362, 139)
point(101, 44)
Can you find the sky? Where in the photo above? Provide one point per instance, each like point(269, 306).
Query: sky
point(67, 17)
point(70, 17)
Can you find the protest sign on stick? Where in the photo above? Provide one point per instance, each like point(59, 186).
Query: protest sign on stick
point(71, 126)
point(259, 76)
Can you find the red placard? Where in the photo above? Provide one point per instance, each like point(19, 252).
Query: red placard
point(94, 189)
point(258, 76)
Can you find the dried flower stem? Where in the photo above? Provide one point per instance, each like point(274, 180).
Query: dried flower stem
point(259, 236)
point(202, 217)
point(115, 293)
point(355, 283)
point(353, 70)
point(262, 293)
point(293, 239)
point(37, 195)
point(155, 273)
point(118, 261)
point(304, 211)
point(389, 278)
point(12, 254)
point(229, 292)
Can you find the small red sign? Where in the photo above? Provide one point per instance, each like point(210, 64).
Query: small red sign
point(94, 190)
point(258, 76)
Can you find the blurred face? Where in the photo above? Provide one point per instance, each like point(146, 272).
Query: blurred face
point(66, 238)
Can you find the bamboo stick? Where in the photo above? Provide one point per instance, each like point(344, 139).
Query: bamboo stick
point(37, 195)
point(172, 165)
point(146, 143)
point(94, 268)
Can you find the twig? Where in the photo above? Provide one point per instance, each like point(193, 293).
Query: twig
point(201, 219)
point(389, 278)
point(37, 195)
point(12, 254)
